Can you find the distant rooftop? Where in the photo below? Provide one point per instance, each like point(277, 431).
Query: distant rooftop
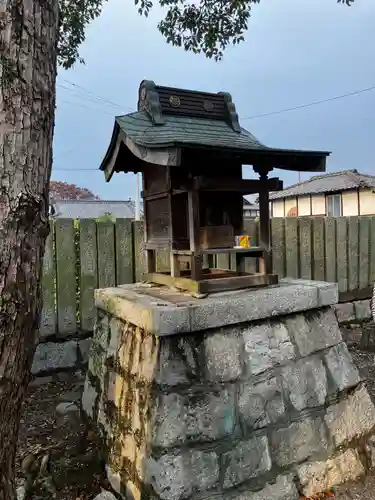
point(92, 209)
point(326, 183)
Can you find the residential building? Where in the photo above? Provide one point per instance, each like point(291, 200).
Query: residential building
point(92, 209)
point(250, 208)
point(338, 194)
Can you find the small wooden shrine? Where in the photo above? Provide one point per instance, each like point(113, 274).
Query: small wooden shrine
point(190, 149)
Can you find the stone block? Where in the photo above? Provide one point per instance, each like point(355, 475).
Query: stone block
point(344, 312)
point(176, 477)
point(168, 423)
point(104, 422)
point(352, 418)
point(200, 417)
point(114, 479)
point(282, 489)
point(101, 330)
point(132, 491)
point(51, 356)
point(128, 447)
point(116, 388)
point(167, 313)
point(116, 327)
point(223, 355)
point(305, 383)
point(149, 352)
point(247, 460)
point(97, 361)
point(317, 477)
point(260, 404)
point(298, 442)
point(362, 310)
point(84, 347)
point(314, 330)
point(370, 448)
point(328, 293)
point(341, 368)
point(178, 361)
point(266, 345)
point(251, 305)
point(105, 495)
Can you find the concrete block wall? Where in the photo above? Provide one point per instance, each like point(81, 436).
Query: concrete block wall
point(356, 312)
point(269, 408)
point(56, 356)
point(356, 323)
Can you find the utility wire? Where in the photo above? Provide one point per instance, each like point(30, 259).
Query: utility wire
point(98, 97)
point(314, 103)
point(286, 110)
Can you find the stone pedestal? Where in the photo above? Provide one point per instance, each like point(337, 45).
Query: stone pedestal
point(246, 395)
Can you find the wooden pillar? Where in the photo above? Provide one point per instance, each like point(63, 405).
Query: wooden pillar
point(265, 263)
point(150, 254)
point(194, 228)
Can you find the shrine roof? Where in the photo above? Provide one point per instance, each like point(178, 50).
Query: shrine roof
point(185, 130)
point(171, 121)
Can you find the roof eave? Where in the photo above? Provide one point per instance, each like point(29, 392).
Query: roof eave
point(107, 161)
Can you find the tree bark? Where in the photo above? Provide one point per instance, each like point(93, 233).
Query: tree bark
point(28, 35)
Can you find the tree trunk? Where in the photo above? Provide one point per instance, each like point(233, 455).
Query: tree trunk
point(28, 33)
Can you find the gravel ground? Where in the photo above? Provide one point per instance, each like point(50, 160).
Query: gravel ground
point(75, 464)
point(75, 467)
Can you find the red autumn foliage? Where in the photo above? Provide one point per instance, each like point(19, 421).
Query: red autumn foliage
point(64, 191)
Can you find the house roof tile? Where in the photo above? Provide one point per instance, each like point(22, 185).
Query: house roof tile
point(337, 181)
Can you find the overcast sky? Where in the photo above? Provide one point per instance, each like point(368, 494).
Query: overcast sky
point(295, 52)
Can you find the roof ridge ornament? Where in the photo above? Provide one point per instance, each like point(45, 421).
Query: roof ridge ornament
point(231, 110)
point(149, 101)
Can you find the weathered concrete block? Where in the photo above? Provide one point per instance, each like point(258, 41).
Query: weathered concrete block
point(168, 423)
point(200, 414)
point(237, 307)
point(97, 360)
point(175, 477)
point(328, 293)
point(178, 361)
point(344, 312)
point(351, 418)
point(266, 345)
point(362, 310)
point(89, 397)
point(260, 404)
point(305, 382)
point(199, 417)
point(314, 331)
point(172, 369)
point(105, 495)
point(341, 368)
point(247, 460)
point(51, 356)
point(149, 353)
point(316, 477)
point(160, 314)
point(116, 328)
point(222, 356)
point(116, 387)
point(370, 448)
point(114, 479)
point(101, 329)
point(84, 347)
point(283, 489)
point(297, 442)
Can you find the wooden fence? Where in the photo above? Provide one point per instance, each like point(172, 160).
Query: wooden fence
point(83, 256)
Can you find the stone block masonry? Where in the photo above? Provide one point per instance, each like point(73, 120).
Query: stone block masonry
point(56, 358)
point(242, 396)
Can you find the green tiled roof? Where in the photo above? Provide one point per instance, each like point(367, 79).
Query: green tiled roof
point(183, 130)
